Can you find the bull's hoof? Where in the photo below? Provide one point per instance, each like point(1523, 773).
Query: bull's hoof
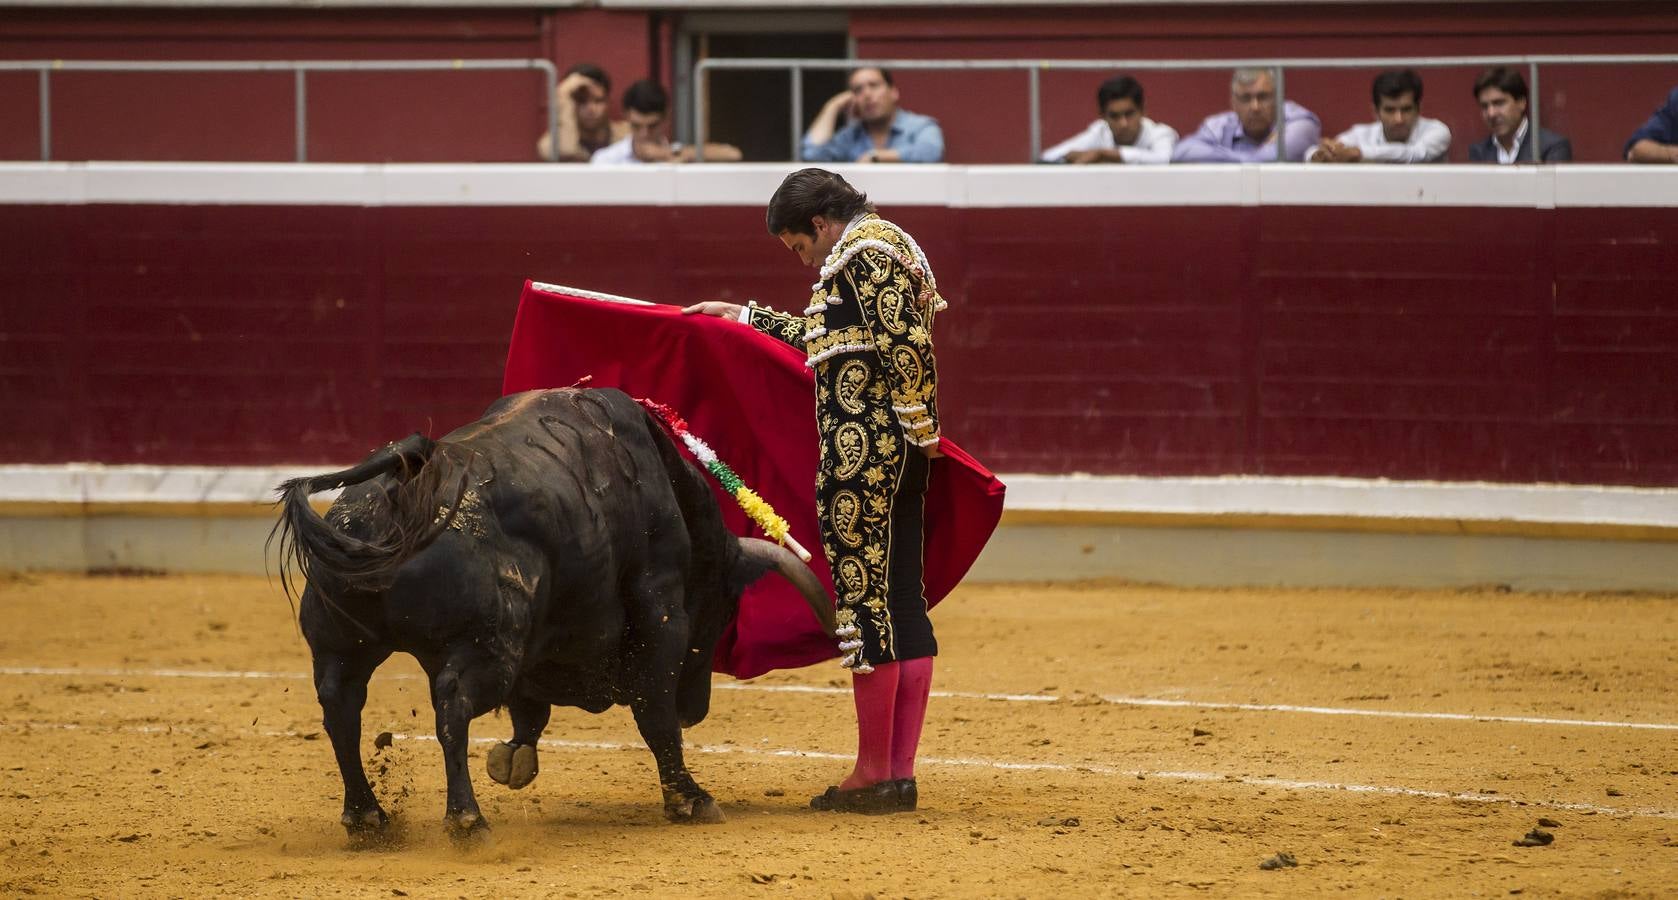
point(513, 765)
point(701, 810)
point(499, 764)
point(524, 767)
point(366, 823)
point(467, 829)
point(370, 830)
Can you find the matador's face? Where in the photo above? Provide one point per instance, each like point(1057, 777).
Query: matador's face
point(812, 249)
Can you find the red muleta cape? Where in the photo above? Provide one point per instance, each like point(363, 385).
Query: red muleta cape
point(750, 397)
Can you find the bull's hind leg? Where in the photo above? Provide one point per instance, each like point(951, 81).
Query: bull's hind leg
point(341, 687)
point(514, 763)
point(465, 687)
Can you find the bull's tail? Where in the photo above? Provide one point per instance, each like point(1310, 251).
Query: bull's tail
point(392, 532)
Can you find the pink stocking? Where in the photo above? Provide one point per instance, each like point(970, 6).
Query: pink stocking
point(914, 685)
point(876, 695)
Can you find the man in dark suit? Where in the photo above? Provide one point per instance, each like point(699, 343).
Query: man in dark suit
point(1657, 140)
point(1502, 95)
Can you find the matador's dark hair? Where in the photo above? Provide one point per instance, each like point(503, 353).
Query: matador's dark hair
point(808, 193)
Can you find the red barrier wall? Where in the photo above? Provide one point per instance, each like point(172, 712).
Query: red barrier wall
point(1429, 343)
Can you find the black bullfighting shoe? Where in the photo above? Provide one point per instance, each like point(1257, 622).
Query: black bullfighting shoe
point(873, 800)
point(907, 796)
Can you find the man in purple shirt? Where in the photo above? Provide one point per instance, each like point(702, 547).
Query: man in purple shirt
point(1247, 133)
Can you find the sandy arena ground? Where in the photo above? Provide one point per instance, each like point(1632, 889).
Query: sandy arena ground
point(184, 756)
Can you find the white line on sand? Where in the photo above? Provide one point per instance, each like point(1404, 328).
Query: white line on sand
point(958, 695)
point(963, 761)
point(1384, 713)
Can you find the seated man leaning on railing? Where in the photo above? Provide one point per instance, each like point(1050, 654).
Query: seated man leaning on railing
point(1657, 140)
point(878, 130)
point(1122, 134)
point(1399, 134)
point(645, 105)
point(1502, 96)
point(1248, 132)
point(580, 104)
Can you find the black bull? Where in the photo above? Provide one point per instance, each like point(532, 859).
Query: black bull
point(557, 551)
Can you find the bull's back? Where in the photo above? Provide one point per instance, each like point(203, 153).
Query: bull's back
point(582, 465)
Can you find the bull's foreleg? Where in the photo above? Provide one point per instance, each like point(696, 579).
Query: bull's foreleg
point(654, 704)
point(341, 687)
point(684, 799)
point(461, 690)
point(514, 763)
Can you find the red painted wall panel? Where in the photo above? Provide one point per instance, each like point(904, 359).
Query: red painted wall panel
point(352, 117)
point(1456, 344)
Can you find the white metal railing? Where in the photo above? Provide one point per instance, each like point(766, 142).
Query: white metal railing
point(299, 69)
point(1035, 67)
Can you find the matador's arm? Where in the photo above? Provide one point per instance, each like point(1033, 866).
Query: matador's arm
point(779, 325)
point(902, 332)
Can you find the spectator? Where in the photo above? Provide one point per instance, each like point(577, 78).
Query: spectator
point(580, 107)
point(1247, 133)
point(1657, 140)
point(1502, 95)
point(878, 131)
point(1121, 135)
point(1399, 134)
point(645, 105)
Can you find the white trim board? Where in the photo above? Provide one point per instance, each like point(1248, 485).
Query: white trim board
point(1346, 498)
point(91, 483)
point(991, 187)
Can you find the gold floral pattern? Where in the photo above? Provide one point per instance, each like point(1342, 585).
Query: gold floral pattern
point(850, 447)
point(849, 386)
point(844, 511)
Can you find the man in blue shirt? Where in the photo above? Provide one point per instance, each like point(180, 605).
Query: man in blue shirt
point(877, 131)
point(1657, 140)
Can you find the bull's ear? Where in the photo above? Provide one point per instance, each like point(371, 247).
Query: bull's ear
point(761, 556)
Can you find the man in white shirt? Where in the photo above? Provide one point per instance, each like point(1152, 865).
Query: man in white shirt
point(1121, 135)
point(1399, 134)
point(644, 105)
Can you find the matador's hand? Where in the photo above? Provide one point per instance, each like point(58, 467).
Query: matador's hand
point(931, 451)
point(722, 309)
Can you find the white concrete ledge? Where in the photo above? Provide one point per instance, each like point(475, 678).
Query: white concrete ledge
point(1348, 498)
point(1017, 186)
point(90, 483)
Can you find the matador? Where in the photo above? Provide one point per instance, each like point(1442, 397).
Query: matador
point(867, 334)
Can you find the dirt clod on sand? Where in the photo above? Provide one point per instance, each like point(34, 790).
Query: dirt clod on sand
point(1536, 838)
point(1279, 861)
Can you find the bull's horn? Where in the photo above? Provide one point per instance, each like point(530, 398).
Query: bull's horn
point(780, 559)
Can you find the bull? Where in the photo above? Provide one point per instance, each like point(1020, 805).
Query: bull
point(558, 551)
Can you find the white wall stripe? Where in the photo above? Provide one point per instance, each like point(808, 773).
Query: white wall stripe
point(1005, 186)
point(965, 762)
point(953, 695)
point(1210, 495)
